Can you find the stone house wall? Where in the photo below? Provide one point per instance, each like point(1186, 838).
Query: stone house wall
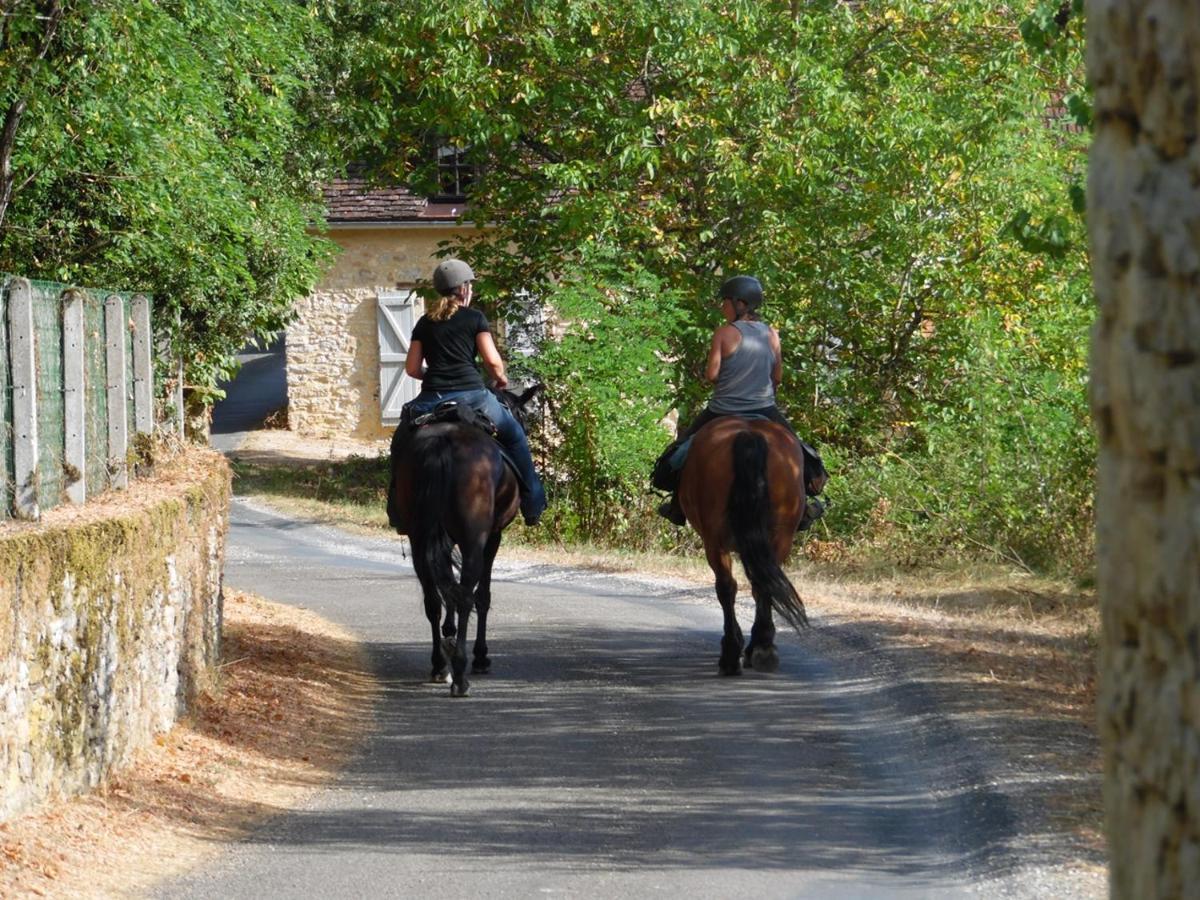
point(333, 344)
point(110, 625)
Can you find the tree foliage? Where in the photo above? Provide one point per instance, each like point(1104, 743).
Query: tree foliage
point(884, 168)
point(894, 173)
point(167, 147)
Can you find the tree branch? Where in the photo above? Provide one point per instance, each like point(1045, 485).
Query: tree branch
point(16, 111)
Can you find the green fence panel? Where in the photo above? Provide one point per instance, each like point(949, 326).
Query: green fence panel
point(96, 426)
point(48, 343)
point(6, 423)
point(47, 336)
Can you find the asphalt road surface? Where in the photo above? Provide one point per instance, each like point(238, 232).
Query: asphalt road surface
point(258, 389)
point(604, 756)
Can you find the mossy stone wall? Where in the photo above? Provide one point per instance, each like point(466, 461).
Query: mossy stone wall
point(109, 627)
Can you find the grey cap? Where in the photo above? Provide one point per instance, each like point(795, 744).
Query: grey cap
point(746, 288)
point(449, 274)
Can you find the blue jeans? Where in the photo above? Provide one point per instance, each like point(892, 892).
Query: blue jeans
point(508, 430)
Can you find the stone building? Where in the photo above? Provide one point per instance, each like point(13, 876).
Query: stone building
point(346, 347)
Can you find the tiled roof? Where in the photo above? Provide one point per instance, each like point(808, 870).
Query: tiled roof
point(353, 199)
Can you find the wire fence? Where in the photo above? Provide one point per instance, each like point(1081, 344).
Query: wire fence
point(77, 385)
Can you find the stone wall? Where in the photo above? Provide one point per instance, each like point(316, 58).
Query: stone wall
point(110, 623)
point(333, 344)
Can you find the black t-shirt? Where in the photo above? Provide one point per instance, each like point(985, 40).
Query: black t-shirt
point(449, 350)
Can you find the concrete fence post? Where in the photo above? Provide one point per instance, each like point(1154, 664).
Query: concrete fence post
point(74, 397)
point(143, 367)
point(118, 427)
point(24, 400)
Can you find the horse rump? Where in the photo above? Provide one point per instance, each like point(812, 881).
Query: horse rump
point(752, 525)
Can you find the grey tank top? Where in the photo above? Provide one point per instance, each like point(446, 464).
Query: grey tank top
point(744, 382)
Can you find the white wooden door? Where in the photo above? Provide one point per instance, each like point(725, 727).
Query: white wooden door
point(398, 311)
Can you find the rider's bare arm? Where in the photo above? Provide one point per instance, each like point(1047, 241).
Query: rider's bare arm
point(414, 363)
point(724, 341)
point(777, 369)
point(486, 346)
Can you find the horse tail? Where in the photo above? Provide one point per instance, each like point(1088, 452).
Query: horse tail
point(433, 498)
point(750, 522)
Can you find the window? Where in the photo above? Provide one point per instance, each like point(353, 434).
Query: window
point(455, 173)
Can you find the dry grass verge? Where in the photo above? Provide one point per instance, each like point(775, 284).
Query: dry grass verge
point(295, 695)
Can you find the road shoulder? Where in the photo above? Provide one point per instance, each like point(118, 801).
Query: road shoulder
point(295, 699)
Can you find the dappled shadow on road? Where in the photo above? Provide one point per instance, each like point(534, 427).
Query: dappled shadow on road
point(627, 750)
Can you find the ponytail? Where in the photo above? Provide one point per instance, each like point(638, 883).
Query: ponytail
point(443, 307)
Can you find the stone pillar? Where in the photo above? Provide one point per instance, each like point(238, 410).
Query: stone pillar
point(1144, 224)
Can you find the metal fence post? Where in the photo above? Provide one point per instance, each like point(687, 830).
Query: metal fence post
point(24, 394)
point(74, 399)
point(118, 426)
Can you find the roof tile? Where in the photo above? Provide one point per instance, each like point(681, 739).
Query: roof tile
point(354, 199)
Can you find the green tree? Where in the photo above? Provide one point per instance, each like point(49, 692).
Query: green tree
point(167, 147)
point(867, 161)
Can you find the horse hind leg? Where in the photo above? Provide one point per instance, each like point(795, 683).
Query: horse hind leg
point(481, 663)
point(456, 647)
point(439, 670)
point(473, 556)
point(730, 662)
point(761, 653)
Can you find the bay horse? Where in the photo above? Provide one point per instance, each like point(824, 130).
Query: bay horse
point(742, 489)
point(450, 487)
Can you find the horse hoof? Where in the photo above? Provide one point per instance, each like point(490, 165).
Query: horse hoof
point(730, 669)
point(459, 690)
point(765, 659)
point(439, 676)
point(481, 666)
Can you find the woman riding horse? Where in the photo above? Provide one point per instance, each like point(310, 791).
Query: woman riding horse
point(745, 362)
point(441, 354)
point(450, 485)
point(744, 482)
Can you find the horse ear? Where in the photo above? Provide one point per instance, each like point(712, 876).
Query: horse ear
point(530, 393)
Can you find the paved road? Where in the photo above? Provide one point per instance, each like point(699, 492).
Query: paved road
point(604, 757)
point(258, 389)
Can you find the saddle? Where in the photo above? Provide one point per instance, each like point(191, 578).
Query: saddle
point(667, 469)
point(459, 413)
point(449, 411)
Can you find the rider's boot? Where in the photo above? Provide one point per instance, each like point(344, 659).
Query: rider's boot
point(664, 477)
point(672, 511)
point(814, 508)
point(531, 508)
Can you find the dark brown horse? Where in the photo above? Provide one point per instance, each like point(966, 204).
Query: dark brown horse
point(451, 488)
point(741, 489)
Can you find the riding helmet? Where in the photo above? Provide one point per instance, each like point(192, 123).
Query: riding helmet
point(449, 274)
point(746, 288)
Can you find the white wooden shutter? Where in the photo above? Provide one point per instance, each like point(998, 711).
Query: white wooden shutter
point(398, 311)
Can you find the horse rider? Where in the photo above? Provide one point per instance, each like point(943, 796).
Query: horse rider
point(441, 354)
point(745, 363)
